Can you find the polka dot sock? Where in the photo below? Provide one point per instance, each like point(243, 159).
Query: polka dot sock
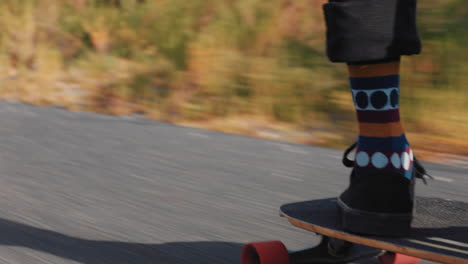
point(382, 144)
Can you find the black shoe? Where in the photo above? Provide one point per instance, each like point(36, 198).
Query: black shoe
point(378, 202)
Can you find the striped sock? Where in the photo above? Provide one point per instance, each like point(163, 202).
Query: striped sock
point(382, 143)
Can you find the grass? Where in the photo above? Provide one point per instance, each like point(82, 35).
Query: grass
point(225, 65)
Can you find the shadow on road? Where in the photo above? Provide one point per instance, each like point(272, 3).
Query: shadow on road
point(99, 252)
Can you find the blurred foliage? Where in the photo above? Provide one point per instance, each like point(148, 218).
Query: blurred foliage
point(198, 60)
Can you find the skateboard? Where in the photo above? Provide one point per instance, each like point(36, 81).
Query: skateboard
point(439, 233)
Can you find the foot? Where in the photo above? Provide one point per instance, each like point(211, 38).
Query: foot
point(378, 202)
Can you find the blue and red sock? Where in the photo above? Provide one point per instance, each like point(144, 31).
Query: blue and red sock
point(382, 144)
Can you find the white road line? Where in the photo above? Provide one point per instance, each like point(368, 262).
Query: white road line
point(311, 165)
point(288, 148)
point(448, 241)
point(333, 156)
point(438, 246)
point(197, 135)
point(442, 179)
point(286, 177)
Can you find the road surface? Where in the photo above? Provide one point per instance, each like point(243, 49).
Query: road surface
point(94, 189)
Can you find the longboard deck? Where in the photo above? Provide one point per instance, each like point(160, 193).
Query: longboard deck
point(439, 229)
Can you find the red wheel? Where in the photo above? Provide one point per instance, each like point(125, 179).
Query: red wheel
point(396, 258)
point(267, 252)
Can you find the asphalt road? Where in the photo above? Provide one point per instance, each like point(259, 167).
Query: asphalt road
point(93, 189)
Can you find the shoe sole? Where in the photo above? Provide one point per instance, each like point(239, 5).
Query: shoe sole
point(371, 223)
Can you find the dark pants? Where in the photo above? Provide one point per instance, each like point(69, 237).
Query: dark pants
point(371, 30)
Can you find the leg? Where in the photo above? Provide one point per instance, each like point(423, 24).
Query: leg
point(370, 36)
point(371, 31)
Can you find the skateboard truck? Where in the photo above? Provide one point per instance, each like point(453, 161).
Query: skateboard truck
point(328, 251)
